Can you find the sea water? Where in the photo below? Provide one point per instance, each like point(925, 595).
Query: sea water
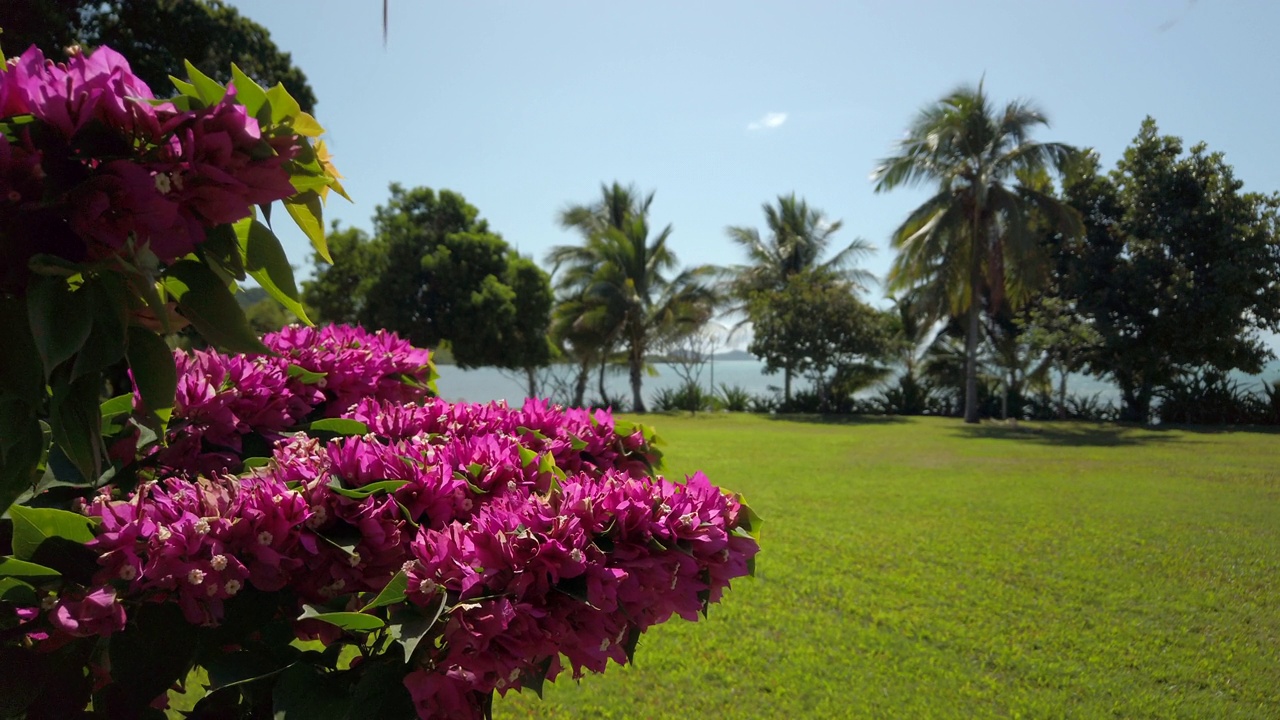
point(488, 384)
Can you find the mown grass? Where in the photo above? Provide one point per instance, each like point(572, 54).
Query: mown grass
point(923, 569)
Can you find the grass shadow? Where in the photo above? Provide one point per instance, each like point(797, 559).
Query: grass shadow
point(1065, 434)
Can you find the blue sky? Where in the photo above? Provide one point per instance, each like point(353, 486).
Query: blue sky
point(721, 106)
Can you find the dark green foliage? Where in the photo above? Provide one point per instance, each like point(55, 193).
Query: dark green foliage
point(434, 272)
point(156, 36)
point(796, 242)
point(1212, 398)
point(1179, 270)
point(815, 325)
point(339, 291)
point(689, 396)
point(734, 398)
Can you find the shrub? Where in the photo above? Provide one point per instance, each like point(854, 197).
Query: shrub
point(734, 398)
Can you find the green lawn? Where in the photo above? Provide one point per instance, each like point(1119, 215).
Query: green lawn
point(924, 569)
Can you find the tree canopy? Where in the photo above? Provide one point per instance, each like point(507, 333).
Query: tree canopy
point(434, 272)
point(156, 36)
point(797, 240)
point(619, 278)
point(815, 324)
point(975, 236)
point(1180, 267)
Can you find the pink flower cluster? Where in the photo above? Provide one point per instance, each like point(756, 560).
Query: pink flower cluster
point(114, 166)
point(317, 372)
point(539, 530)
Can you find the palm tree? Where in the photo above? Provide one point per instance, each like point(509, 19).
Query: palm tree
point(798, 237)
point(976, 232)
point(621, 274)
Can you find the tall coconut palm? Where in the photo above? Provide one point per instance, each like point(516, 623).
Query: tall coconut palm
point(797, 239)
point(622, 274)
point(975, 234)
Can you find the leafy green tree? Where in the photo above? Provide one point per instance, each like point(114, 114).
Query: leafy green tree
point(1180, 268)
point(815, 324)
point(448, 277)
point(974, 237)
point(339, 291)
point(156, 36)
point(797, 238)
point(1054, 326)
point(623, 274)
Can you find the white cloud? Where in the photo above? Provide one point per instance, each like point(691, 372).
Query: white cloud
point(769, 121)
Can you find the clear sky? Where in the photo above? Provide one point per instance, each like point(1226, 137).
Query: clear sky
point(720, 106)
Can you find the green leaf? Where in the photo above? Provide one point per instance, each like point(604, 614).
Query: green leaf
point(629, 644)
point(364, 491)
point(380, 692)
point(13, 567)
point(305, 376)
point(255, 462)
point(248, 93)
point(76, 422)
point(306, 210)
point(283, 106)
point(534, 679)
point(154, 373)
point(748, 519)
point(185, 88)
point(340, 426)
point(23, 680)
point(527, 456)
point(409, 626)
point(21, 374)
point(33, 526)
point(109, 305)
point(212, 309)
point(60, 320)
point(13, 590)
point(22, 444)
point(303, 693)
point(265, 261)
point(522, 430)
point(223, 247)
point(155, 650)
point(354, 621)
point(305, 125)
point(237, 668)
point(118, 405)
point(393, 593)
point(576, 442)
point(210, 91)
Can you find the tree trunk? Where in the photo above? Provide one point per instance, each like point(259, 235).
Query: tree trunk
point(971, 358)
point(531, 380)
point(786, 384)
point(580, 385)
point(1062, 395)
point(604, 396)
point(637, 368)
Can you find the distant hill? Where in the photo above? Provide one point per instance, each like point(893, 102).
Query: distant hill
point(250, 295)
point(735, 355)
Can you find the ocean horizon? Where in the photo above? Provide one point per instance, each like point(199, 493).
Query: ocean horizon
point(491, 384)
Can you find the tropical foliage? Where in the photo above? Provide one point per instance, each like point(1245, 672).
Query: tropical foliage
point(975, 241)
point(619, 281)
point(798, 238)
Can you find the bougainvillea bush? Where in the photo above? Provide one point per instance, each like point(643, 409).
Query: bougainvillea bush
point(455, 549)
point(300, 529)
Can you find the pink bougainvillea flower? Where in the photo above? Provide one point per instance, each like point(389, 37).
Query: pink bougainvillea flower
point(97, 613)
